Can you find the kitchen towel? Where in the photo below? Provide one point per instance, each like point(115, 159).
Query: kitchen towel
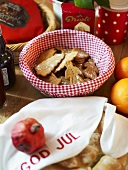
point(63, 119)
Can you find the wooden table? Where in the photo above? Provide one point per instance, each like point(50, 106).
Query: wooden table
point(120, 51)
point(23, 92)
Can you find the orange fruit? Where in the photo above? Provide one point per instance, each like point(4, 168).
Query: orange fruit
point(119, 95)
point(121, 69)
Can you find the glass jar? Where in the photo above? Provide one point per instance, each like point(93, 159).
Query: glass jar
point(7, 64)
point(2, 90)
point(8, 69)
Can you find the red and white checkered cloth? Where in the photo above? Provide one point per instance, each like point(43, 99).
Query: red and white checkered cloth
point(66, 38)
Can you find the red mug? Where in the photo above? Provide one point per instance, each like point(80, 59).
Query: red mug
point(112, 25)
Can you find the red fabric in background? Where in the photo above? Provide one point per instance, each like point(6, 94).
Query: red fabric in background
point(33, 28)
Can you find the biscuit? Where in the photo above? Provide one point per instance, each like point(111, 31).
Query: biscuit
point(47, 66)
point(45, 55)
point(69, 66)
point(51, 78)
point(68, 57)
point(73, 73)
point(91, 70)
point(64, 81)
point(81, 56)
point(89, 73)
point(91, 64)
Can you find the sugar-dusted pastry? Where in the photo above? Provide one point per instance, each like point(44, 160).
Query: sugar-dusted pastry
point(71, 163)
point(95, 140)
point(89, 155)
point(124, 160)
point(54, 167)
point(108, 163)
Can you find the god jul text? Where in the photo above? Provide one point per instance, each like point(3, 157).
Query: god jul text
point(36, 158)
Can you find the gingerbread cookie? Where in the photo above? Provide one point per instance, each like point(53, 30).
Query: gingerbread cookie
point(68, 57)
point(66, 66)
point(45, 55)
point(73, 74)
point(47, 66)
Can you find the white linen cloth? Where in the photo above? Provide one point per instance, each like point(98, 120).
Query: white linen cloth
point(69, 124)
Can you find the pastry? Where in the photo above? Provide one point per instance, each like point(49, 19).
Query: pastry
point(92, 157)
point(108, 163)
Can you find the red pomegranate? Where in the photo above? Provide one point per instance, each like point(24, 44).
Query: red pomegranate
point(28, 135)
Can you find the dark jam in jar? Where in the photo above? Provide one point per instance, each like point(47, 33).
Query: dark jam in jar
point(8, 69)
point(7, 64)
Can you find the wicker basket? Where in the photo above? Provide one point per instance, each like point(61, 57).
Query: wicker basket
point(48, 18)
point(67, 38)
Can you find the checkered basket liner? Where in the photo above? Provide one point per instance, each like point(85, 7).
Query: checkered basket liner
point(100, 52)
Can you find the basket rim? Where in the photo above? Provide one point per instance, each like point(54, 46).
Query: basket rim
point(66, 90)
point(50, 17)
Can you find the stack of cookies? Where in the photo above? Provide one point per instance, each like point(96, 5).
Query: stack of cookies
point(65, 66)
